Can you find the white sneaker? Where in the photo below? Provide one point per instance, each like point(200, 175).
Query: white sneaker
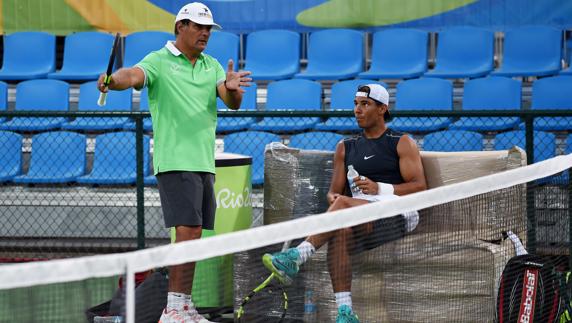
point(195, 317)
point(187, 315)
point(174, 316)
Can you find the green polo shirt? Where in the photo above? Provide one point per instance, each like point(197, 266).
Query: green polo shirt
point(182, 102)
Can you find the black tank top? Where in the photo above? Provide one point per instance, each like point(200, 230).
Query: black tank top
point(376, 159)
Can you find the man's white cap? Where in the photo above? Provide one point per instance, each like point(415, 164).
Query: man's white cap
point(376, 92)
point(197, 13)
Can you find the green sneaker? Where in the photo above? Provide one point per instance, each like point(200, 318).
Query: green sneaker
point(346, 315)
point(284, 265)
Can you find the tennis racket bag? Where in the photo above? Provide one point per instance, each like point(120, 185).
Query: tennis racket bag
point(528, 291)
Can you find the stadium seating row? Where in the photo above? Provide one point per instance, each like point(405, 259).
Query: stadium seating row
point(60, 156)
point(489, 93)
point(333, 54)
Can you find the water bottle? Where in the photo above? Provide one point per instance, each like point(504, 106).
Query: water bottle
point(310, 308)
point(108, 319)
point(352, 173)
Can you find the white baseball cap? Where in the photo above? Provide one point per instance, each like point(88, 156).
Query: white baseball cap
point(197, 13)
point(377, 93)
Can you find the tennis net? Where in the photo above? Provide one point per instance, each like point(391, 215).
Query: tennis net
point(445, 269)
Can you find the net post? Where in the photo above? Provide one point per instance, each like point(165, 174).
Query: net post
point(139, 182)
point(530, 187)
point(129, 294)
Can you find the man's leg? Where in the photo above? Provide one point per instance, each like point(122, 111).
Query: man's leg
point(187, 200)
point(181, 276)
point(285, 264)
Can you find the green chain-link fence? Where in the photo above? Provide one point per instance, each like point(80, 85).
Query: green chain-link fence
point(65, 193)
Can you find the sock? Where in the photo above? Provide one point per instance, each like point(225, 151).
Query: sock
point(176, 300)
point(188, 300)
point(306, 250)
point(344, 298)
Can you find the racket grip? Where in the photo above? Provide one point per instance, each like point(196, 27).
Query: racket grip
point(101, 100)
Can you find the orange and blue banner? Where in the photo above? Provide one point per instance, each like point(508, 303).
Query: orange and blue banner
point(66, 16)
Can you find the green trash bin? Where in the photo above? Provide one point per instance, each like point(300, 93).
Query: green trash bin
point(213, 283)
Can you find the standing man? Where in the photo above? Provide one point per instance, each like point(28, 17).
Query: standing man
point(183, 84)
point(389, 164)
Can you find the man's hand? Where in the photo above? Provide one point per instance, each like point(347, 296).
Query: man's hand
point(366, 185)
point(101, 86)
point(236, 80)
point(332, 197)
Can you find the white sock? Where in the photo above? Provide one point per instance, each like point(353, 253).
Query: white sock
point(306, 249)
point(188, 300)
point(344, 298)
point(176, 300)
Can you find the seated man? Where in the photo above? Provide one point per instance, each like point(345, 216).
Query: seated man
point(390, 164)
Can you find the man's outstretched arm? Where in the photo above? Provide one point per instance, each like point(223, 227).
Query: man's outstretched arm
point(122, 79)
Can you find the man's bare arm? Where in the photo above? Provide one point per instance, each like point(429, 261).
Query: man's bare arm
point(123, 78)
point(338, 183)
point(411, 168)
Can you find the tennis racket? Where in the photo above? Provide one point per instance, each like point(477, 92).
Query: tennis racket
point(267, 282)
point(107, 80)
point(260, 287)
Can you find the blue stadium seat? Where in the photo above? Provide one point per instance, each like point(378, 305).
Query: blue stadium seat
point(490, 93)
point(273, 54)
point(568, 71)
point(10, 155)
point(551, 93)
point(141, 43)
point(295, 94)
point(150, 180)
point(39, 95)
point(544, 143)
point(531, 51)
point(423, 94)
point(251, 143)
point(3, 99)
point(223, 46)
point(398, 54)
point(342, 98)
point(334, 54)
point(114, 161)
point(143, 106)
point(84, 56)
point(226, 124)
point(464, 52)
point(28, 55)
point(319, 140)
point(116, 101)
point(453, 140)
point(57, 157)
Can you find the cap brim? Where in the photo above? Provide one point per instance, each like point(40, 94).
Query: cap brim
point(205, 23)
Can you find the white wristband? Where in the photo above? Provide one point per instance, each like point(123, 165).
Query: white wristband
point(383, 188)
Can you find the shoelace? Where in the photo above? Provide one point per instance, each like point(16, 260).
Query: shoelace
point(190, 308)
point(288, 260)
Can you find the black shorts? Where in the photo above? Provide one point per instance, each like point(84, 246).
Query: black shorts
point(187, 198)
point(384, 230)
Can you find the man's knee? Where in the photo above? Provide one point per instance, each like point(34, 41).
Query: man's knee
point(185, 233)
point(342, 202)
